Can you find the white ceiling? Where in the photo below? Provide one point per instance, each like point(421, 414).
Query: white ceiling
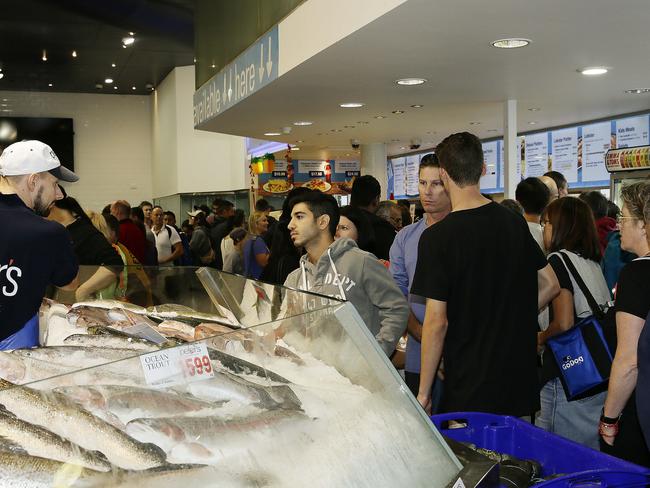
point(448, 43)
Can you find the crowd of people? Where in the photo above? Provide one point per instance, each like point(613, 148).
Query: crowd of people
point(477, 288)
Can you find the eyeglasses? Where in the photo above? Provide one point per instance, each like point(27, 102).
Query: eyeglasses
point(621, 218)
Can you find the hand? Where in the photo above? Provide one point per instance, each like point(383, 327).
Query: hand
point(441, 371)
point(608, 439)
point(425, 401)
point(81, 294)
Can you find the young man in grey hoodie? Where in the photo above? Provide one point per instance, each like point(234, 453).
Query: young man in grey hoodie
point(341, 270)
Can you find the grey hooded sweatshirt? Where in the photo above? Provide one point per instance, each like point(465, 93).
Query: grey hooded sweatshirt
point(346, 272)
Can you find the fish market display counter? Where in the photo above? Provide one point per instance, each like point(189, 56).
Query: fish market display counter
point(212, 379)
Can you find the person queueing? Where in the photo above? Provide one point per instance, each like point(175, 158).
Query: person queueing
point(354, 225)
point(484, 279)
point(404, 258)
point(34, 252)
point(341, 270)
point(570, 233)
point(620, 429)
point(169, 246)
point(256, 253)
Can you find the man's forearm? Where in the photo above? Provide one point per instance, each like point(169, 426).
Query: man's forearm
point(433, 337)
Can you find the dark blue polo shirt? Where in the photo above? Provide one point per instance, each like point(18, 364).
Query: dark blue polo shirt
point(34, 253)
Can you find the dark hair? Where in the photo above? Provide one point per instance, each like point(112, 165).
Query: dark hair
point(262, 205)
point(288, 205)
point(137, 213)
point(145, 203)
point(186, 223)
point(612, 210)
point(113, 224)
point(366, 233)
point(237, 219)
point(365, 190)
point(558, 177)
point(429, 161)
point(405, 207)
point(221, 204)
point(200, 220)
point(106, 210)
point(319, 204)
point(72, 205)
point(533, 195)
point(488, 196)
point(461, 156)
point(238, 235)
point(597, 203)
point(513, 205)
point(204, 208)
point(574, 228)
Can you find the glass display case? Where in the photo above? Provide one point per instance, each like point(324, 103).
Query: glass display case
point(212, 378)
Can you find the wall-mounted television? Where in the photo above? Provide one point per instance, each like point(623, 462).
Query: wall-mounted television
point(57, 133)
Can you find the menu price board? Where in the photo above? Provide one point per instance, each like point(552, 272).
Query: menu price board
point(564, 153)
point(412, 175)
point(490, 153)
point(596, 141)
point(632, 131)
point(536, 154)
point(328, 176)
point(399, 177)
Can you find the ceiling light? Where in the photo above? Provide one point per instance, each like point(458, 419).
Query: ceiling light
point(380, 116)
point(272, 134)
point(44, 57)
point(638, 91)
point(398, 112)
point(511, 43)
point(417, 105)
point(351, 105)
point(295, 148)
point(410, 81)
point(74, 54)
point(532, 123)
point(349, 126)
point(302, 122)
point(2, 75)
point(213, 66)
point(99, 86)
point(403, 147)
point(115, 87)
point(108, 80)
point(49, 84)
point(534, 109)
point(132, 88)
point(299, 142)
point(131, 33)
point(474, 123)
point(594, 71)
point(363, 122)
point(394, 140)
point(347, 154)
point(127, 41)
point(112, 65)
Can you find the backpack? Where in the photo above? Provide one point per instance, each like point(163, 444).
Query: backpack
point(186, 259)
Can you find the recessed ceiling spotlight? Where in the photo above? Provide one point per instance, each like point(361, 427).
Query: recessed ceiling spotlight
point(99, 86)
point(532, 122)
point(128, 41)
point(417, 105)
point(349, 126)
point(295, 148)
point(398, 112)
point(363, 122)
point(302, 122)
point(411, 81)
point(474, 123)
point(347, 154)
point(351, 105)
point(74, 54)
point(115, 87)
point(131, 33)
point(298, 142)
point(113, 65)
point(50, 85)
point(108, 81)
point(272, 134)
point(511, 43)
point(534, 109)
point(338, 130)
point(593, 71)
point(44, 56)
point(394, 140)
point(403, 147)
point(638, 91)
point(380, 117)
point(213, 66)
point(2, 75)
point(133, 88)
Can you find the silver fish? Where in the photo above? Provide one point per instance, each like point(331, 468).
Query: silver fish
point(127, 403)
point(24, 471)
point(37, 441)
point(79, 426)
point(110, 341)
point(241, 366)
point(182, 313)
point(76, 356)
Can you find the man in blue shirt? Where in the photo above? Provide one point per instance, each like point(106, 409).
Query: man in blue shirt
point(404, 256)
point(34, 252)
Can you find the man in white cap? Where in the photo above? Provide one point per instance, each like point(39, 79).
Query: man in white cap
point(34, 252)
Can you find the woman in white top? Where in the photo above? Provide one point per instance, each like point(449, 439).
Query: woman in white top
point(237, 221)
point(570, 232)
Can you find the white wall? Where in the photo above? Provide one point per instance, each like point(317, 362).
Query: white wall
point(184, 159)
point(112, 141)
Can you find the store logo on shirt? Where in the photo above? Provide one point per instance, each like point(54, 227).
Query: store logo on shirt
point(10, 274)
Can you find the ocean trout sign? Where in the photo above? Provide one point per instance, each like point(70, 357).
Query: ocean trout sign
point(250, 71)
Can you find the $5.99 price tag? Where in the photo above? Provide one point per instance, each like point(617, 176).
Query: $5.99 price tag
point(176, 365)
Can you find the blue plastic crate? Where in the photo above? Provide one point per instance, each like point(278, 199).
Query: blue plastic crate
point(581, 466)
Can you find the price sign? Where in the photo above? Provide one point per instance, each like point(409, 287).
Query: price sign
point(350, 174)
point(279, 174)
point(316, 174)
point(182, 364)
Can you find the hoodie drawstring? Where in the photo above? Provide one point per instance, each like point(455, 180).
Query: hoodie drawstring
point(305, 283)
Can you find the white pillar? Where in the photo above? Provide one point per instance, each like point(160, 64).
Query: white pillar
point(373, 162)
point(510, 156)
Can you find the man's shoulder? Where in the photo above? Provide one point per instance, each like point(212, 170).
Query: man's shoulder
point(410, 230)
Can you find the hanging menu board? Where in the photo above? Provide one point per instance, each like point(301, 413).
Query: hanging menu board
point(632, 131)
point(490, 153)
point(595, 142)
point(564, 153)
point(536, 154)
point(399, 177)
point(520, 142)
point(412, 175)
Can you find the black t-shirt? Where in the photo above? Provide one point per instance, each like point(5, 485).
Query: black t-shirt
point(633, 289)
point(91, 246)
point(34, 253)
point(483, 263)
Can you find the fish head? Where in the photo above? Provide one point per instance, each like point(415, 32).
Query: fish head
point(86, 396)
point(161, 432)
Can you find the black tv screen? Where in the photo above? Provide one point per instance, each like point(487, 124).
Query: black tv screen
point(57, 133)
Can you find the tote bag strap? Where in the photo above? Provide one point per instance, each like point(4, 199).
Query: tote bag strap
point(595, 308)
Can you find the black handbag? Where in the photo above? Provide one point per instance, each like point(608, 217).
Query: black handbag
point(582, 353)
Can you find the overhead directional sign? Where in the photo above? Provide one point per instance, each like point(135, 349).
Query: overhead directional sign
point(250, 71)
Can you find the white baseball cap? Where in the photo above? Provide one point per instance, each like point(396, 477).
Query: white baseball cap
point(27, 157)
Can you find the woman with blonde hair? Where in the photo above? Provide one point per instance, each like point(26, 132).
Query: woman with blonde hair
point(256, 253)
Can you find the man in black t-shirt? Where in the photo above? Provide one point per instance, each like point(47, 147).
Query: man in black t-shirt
point(479, 270)
point(33, 251)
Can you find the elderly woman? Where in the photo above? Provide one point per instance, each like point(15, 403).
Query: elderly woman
point(643, 355)
point(619, 424)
